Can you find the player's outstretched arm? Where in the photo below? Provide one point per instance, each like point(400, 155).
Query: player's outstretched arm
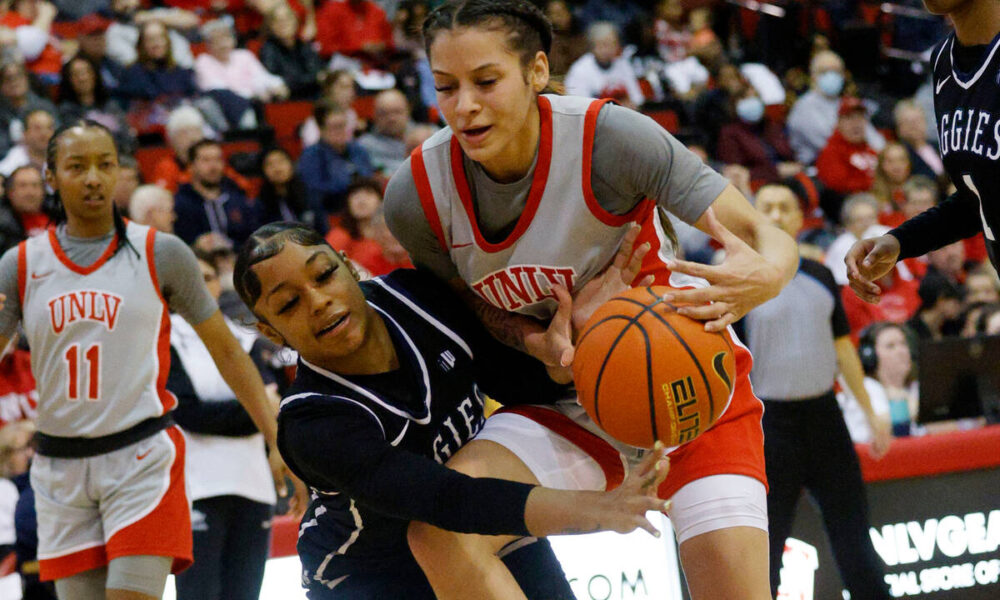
point(561, 512)
point(760, 260)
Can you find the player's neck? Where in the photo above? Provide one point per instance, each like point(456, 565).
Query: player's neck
point(515, 161)
point(976, 23)
point(89, 229)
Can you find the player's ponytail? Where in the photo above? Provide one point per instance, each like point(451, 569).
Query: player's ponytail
point(55, 208)
point(528, 29)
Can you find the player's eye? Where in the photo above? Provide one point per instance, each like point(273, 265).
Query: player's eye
point(325, 275)
point(442, 89)
point(288, 305)
point(486, 82)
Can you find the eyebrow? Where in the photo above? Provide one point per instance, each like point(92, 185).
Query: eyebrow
point(83, 156)
point(479, 68)
point(309, 261)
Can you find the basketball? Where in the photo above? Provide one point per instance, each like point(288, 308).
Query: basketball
point(643, 372)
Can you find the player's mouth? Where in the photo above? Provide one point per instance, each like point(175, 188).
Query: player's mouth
point(336, 326)
point(93, 200)
point(475, 135)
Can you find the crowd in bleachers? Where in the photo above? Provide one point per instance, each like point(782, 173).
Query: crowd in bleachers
point(230, 114)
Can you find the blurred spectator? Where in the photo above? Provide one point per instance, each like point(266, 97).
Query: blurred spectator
point(815, 114)
point(39, 125)
point(948, 262)
point(616, 12)
point(212, 201)
point(16, 101)
point(83, 95)
point(35, 44)
point(227, 470)
point(672, 34)
point(227, 67)
point(989, 320)
point(417, 135)
point(155, 74)
point(93, 46)
point(154, 206)
point(338, 88)
point(568, 40)
point(329, 166)
point(21, 212)
point(357, 232)
point(287, 55)
point(886, 351)
point(911, 130)
point(353, 28)
point(713, 107)
point(982, 286)
point(921, 193)
point(407, 20)
point(283, 196)
point(603, 72)
point(185, 127)
point(859, 218)
point(847, 163)
point(755, 141)
point(218, 250)
point(805, 325)
point(123, 33)
point(16, 449)
point(386, 142)
point(891, 174)
point(129, 178)
point(940, 307)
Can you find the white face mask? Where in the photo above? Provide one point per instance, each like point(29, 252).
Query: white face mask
point(750, 109)
point(831, 83)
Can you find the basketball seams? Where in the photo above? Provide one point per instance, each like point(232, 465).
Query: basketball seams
point(607, 357)
point(649, 381)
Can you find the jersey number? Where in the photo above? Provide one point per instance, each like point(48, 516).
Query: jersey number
point(972, 187)
point(75, 374)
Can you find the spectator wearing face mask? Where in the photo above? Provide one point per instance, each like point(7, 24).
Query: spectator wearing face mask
point(814, 116)
point(754, 141)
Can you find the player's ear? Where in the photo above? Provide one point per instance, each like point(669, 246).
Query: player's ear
point(270, 333)
point(539, 72)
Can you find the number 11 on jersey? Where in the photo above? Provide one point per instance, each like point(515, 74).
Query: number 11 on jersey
point(75, 373)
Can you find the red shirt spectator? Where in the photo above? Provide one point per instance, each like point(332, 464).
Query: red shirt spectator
point(899, 302)
point(847, 163)
point(18, 398)
point(49, 62)
point(352, 26)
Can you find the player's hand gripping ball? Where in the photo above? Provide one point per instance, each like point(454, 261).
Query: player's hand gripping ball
point(645, 373)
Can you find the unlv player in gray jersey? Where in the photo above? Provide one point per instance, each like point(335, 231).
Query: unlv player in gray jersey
point(93, 296)
point(967, 110)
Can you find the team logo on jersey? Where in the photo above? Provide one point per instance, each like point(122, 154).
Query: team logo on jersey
point(446, 361)
point(970, 130)
point(84, 305)
point(514, 287)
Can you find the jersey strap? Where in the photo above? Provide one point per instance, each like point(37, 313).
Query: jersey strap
point(426, 195)
point(167, 399)
point(22, 269)
point(538, 182)
point(589, 130)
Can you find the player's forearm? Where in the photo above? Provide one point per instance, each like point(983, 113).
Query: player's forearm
point(854, 375)
point(779, 249)
point(552, 512)
point(954, 219)
point(242, 377)
point(510, 329)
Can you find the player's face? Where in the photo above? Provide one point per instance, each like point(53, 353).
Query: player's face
point(312, 303)
point(893, 352)
point(487, 97)
point(781, 208)
point(86, 170)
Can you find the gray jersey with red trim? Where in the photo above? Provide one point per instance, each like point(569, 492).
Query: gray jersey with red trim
point(632, 158)
point(563, 236)
point(99, 336)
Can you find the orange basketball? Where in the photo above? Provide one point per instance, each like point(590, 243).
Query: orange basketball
point(645, 373)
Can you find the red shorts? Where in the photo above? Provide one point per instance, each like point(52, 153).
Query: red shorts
point(129, 502)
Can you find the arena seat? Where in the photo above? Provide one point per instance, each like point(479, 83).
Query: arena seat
point(147, 157)
point(286, 117)
point(667, 119)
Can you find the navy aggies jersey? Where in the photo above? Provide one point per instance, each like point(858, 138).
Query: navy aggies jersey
point(967, 112)
point(371, 446)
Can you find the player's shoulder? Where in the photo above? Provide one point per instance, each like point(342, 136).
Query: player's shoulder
point(415, 293)
point(940, 55)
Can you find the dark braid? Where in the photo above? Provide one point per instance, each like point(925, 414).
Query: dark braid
point(528, 28)
point(55, 208)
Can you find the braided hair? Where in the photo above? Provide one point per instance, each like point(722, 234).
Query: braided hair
point(528, 30)
point(55, 208)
